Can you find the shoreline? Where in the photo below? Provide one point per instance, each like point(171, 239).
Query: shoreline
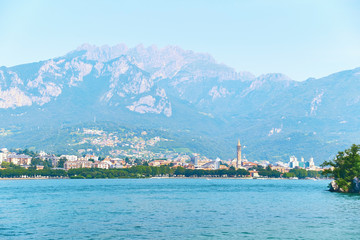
point(207, 178)
point(31, 178)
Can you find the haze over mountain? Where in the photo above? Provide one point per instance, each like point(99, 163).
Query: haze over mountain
point(184, 93)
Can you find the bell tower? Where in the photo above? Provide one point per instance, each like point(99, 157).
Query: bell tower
point(238, 159)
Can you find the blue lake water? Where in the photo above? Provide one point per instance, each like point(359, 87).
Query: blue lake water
point(176, 209)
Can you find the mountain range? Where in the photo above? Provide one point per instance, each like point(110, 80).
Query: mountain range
point(184, 93)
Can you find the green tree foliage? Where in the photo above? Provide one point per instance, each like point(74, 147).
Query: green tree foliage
point(26, 152)
point(5, 165)
point(38, 162)
point(61, 162)
point(288, 175)
point(8, 165)
point(148, 171)
point(267, 172)
point(345, 167)
point(299, 172)
point(20, 172)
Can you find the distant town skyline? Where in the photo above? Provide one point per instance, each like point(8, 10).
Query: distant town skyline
point(301, 39)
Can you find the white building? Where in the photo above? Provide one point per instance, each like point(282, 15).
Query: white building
point(217, 163)
point(3, 157)
point(293, 162)
point(69, 157)
point(310, 164)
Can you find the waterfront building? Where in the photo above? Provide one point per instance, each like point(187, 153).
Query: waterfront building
point(238, 156)
point(254, 174)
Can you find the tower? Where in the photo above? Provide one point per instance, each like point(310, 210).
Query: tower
point(238, 159)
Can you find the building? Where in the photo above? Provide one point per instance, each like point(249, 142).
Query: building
point(91, 156)
point(77, 164)
point(293, 162)
point(238, 158)
point(217, 163)
point(212, 165)
point(249, 165)
point(279, 169)
point(39, 167)
point(98, 164)
point(3, 157)
point(19, 159)
point(302, 163)
point(195, 160)
point(157, 163)
point(254, 174)
point(310, 165)
point(51, 158)
point(69, 157)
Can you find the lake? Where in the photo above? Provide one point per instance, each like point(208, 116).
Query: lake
point(176, 209)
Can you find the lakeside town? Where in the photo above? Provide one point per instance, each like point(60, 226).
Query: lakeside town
point(27, 159)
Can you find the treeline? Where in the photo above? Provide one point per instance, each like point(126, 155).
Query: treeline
point(296, 172)
point(149, 171)
point(231, 172)
point(133, 172)
point(20, 172)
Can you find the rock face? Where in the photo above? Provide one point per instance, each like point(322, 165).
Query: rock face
point(334, 187)
point(355, 187)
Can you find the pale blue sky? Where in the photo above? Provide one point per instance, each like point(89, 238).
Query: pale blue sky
point(304, 38)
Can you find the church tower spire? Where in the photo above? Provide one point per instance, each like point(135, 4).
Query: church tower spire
point(238, 159)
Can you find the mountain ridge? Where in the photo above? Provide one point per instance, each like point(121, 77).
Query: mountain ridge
point(181, 90)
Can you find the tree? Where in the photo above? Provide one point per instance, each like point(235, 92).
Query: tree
point(179, 171)
point(61, 162)
point(298, 172)
point(5, 164)
point(345, 167)
point(288, 175)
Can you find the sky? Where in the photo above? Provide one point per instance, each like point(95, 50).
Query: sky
point(300, 38)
